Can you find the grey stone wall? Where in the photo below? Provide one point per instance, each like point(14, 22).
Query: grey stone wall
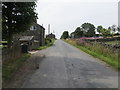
point(104, 39)
point(11, 53)
point(38, 33)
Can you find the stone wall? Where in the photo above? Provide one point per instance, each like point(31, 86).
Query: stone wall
point(112, 48)
point(104, 39)
point(11, 53)
point(38, 33)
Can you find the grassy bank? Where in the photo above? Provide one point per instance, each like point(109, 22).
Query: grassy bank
point(113, 42)
point(98, 52)
point(11, 66)
point(48, 44)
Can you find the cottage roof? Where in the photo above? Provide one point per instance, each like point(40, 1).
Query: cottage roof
point(36, 41)
point(41, 26)
point(26, 38)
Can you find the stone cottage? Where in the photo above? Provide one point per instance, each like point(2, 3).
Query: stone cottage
point(34, 37)
point(29, 40)
point(37, 31)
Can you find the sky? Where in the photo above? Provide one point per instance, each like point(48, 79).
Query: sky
point(67, 15)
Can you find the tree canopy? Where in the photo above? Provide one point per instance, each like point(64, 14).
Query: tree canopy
point(105, 32)
point(89, 29)
point(16, 18)
point(99, 28)
point(78, 32)
point(65, 35)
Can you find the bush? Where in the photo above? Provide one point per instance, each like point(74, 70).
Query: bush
point(47, 41)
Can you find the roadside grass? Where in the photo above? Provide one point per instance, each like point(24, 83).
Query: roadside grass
point(1, 46)
point(3, 41)
point(109, 59)
point(46, 46)
point(113, 42)
point(11, 66)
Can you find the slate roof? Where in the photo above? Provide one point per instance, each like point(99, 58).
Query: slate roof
point(26, 38)
point(36, 41)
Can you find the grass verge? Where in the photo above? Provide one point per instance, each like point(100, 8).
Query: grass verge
point(113, 42)
point(108, 60)
point(46, 46)
point(10, 67)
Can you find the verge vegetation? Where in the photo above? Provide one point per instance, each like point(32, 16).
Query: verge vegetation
point(113, 42)
point(11, 66)
point(98, 51)
point(48, 43)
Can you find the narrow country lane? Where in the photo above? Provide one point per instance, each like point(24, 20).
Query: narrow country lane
point(67, 67)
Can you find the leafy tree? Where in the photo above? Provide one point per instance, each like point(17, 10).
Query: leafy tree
point(65, 35)
point(118, 29)
point(105, 32)
point(113, 28)
point(78, 32)
point(88, 29)
point(109, 28)
point(16, 18)
point(99, 28)
point(72, 35)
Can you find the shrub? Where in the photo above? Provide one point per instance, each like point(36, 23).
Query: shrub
point(47, 41)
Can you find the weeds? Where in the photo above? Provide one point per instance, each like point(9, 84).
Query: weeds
point(11, 66)
point(48, 44)
point(98, 51)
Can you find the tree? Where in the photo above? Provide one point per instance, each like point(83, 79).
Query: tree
point(16, 18)
point(78, 32)
point(118, 29)
point(113, 28)
point(99, 28)
point(65, 35)
point(72, 35)
point(105, 32)
point(89, 29)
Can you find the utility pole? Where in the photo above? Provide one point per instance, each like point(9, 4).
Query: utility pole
point(53, 31)
point(119, 13)
point(48, 28)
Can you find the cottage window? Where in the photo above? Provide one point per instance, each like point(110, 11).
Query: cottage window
point(32, 28)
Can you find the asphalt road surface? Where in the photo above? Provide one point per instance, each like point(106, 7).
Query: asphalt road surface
point(67, 67)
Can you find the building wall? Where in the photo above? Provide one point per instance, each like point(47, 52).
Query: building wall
point(51, 36)
point(10, 53)
point(38, 33)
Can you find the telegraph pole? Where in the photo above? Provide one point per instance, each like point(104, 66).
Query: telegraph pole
point(48, 28)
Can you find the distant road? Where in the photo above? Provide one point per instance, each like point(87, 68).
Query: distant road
point(67, 67)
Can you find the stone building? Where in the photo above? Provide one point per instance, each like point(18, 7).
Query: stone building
point(38, 32)
point(29, 40)
point(50, 36)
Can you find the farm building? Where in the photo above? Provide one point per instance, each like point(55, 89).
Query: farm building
point(50, 36)
point(37, 31)
point(29, 40)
